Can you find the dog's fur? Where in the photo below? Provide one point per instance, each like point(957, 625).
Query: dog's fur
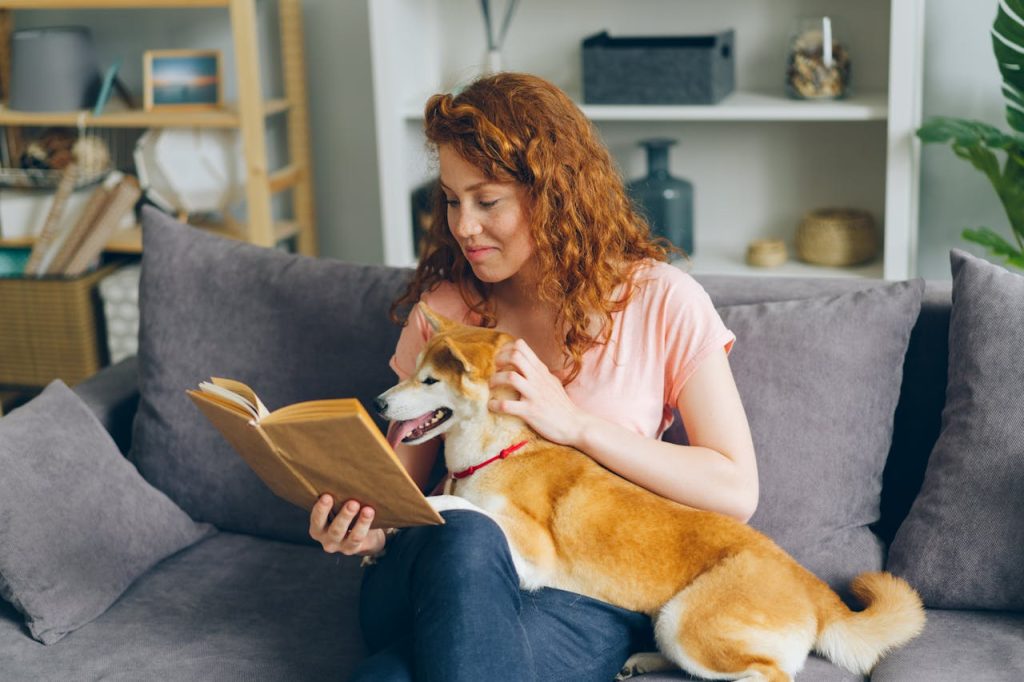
point(727, 602)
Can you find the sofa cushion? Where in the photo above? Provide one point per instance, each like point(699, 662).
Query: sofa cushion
point(962, 544)
point(233, 607)
point(957, 646)
point(291, 327)
point(77, 522)
point(922, 394)
point(816, 669)
point(820, 379)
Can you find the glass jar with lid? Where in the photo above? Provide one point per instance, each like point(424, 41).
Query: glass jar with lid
point(818, 64)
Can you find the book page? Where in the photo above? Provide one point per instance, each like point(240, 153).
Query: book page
point(311, 409)
point(238, 393)
point(253, 447)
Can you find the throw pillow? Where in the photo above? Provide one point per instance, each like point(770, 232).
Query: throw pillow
point(820, 380)
point(77, 521)
point(962, 544)
point(291, 327)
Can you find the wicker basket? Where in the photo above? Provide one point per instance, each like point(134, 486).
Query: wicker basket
point(766, 253)
point(51, 328)
point(837, 237)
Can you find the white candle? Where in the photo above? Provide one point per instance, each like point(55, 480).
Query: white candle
point(826, 41)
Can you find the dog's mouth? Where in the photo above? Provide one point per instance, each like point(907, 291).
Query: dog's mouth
point(413, 429)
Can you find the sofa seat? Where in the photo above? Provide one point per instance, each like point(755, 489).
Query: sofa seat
point(980, 646)
point(816, 669)
point(233, 607)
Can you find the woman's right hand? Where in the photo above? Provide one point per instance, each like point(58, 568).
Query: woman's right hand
point(341, 535)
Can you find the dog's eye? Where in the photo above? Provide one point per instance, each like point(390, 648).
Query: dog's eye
point(429, 380)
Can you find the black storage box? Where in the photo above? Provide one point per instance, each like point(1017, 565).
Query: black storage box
point(658, 70)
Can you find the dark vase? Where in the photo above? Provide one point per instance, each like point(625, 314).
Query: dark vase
point(666, 201)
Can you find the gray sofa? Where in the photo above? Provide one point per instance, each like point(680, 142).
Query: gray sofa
point(255, 599)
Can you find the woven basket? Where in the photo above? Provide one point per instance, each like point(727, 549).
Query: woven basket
point(52, 328)
point(837, 237)
point(766, 253)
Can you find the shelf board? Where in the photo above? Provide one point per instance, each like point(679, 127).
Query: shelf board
point(739, 106)
point(226, 117)
point(109, 4)
point(130, 241)
point(710, 261)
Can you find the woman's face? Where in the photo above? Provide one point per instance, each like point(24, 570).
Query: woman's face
point(488, 219)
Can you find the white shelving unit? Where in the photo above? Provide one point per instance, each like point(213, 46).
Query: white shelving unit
point(758, 160)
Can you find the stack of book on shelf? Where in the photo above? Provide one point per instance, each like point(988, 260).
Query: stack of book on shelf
point(70, 248)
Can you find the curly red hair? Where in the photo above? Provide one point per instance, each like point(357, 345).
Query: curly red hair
point(587, 235)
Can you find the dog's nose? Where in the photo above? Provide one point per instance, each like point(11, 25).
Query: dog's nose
point(380, 405)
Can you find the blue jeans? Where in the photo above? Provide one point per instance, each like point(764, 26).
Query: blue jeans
point(444, 605)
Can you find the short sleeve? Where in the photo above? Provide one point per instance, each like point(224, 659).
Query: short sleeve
point(445, 300)
point(411, 343)
point(690, 330)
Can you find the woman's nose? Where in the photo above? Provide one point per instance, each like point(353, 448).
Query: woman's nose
point(465, 225)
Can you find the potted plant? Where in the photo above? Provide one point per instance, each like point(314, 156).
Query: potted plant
point(997, 154)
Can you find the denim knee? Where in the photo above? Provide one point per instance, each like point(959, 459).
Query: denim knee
point(468, 546)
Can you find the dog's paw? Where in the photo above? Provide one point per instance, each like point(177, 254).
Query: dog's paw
point(646, 662)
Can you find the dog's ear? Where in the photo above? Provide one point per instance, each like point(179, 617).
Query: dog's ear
point(451, 358)
point(438, 323)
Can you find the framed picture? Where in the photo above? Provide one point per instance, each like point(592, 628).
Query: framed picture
point(182, 79)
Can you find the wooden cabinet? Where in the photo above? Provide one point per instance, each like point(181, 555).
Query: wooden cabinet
point(758, 160)
point(249, 114)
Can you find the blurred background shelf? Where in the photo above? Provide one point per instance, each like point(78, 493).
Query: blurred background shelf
point(249, 114)
point(747, 105)
point(758, 160)
point(228, 117)
point(130, 241)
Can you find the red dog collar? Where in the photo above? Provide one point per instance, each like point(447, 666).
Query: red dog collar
point(501, 455)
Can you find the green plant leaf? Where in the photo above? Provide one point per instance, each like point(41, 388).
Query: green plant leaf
point(966, 133)
point(1008, 46)
point(996, 245)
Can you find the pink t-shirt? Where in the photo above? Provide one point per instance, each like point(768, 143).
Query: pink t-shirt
point(657, 341)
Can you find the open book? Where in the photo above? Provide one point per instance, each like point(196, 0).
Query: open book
point(304, 450)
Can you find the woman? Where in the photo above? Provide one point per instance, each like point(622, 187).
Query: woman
point(537, 238)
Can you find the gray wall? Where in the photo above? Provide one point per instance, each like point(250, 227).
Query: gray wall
point(960, 79)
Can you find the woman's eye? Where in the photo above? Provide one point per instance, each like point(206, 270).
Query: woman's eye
point(451, 202)
point(429, 380)
point(488, 204)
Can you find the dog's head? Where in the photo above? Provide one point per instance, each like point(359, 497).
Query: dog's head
point(450, 384)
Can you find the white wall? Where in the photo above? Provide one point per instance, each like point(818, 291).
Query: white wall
point(961, 79)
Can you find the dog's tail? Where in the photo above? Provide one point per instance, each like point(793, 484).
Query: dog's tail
point(855, 640)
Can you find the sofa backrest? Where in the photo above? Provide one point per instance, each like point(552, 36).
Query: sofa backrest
point(922, 394)
point(297, 328)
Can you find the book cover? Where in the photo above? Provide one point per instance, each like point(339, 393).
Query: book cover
point(304, 450)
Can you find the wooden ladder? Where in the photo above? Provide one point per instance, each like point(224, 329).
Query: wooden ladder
point(261, 183)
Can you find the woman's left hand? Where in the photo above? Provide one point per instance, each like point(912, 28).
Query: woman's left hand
point(543, 403)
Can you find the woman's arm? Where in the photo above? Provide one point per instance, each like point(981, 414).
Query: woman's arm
point(717, 471)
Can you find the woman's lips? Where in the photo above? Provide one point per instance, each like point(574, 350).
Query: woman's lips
point(478, 253)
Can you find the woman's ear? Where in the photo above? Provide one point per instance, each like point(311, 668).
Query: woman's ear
point(437, 322)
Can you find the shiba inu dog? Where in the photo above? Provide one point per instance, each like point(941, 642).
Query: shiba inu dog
point(727, 603)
